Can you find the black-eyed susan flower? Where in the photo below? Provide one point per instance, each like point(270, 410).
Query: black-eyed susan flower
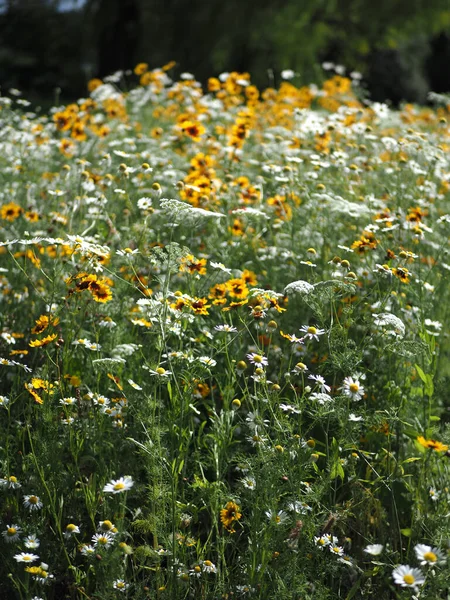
point(432, 444)
point(229, 515)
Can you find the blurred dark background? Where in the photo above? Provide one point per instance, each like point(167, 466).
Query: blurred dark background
point(401, 47)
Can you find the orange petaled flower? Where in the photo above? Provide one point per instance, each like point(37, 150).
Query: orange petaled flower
point(237, 288)
point(237, 228)
point(229, 514)
point(39, 384)
point(141, 68)
point(192, 129)
point(35, 395)
point(100, 292)
point(99, 288)
point(200, 306)
point(42, 323)
point(93, 84)
point(47, 340)
point(432, 444)
point(193, 265)
point(116, 380)
point(10, 211)
point(402, 274)
point(367, 241)
point(249, 277)
point(235, 305)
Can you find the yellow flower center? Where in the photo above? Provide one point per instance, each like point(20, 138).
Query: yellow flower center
point(354, 387)
point(13, 479)
point(11, 531)
point(207, 563)
point(430, 557)
point(197, 569)
point(312, 330)
point(119, 486)
point(102, 540)
point(120, 585)
point(33, 499)
point(71, 527)
point(26, 558)
point(257, 358)
point(160, 371)
point(409, 579)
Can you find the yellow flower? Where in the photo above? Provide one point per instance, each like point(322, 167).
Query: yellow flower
point(432, 444)
point(237, 288)
point(10, 211)
point(93, 84)
point(44, 341)
point(192, 129)
point(229, 514)
point(141, 68)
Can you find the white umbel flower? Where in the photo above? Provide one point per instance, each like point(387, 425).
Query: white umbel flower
point(390, 324)
point(300, 287)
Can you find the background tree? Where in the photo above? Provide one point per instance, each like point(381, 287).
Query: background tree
point(400, 47)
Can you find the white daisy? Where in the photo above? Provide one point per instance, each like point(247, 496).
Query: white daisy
point(208, 566)
point(87, 550)
point(311, 333)
point(355, 418)
point(427, 555)
point(32, 502)
point(374, 549)
point(322, 541)
point(134, 385)
point(31, 542)
point(102, 540)
point(225, 328)
point(26, 557)
point(407, 576)
point(11, 533)
point(324, 388)
point(160, 372)
point(352, 388)
point(116, 486)
point(120, 585)
point(257, 359)
point(336, 550)
point(71, 530)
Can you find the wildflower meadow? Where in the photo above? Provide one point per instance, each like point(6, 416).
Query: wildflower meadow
point(224, 343)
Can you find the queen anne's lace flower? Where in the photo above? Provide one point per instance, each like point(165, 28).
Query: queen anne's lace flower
point(303, 288)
